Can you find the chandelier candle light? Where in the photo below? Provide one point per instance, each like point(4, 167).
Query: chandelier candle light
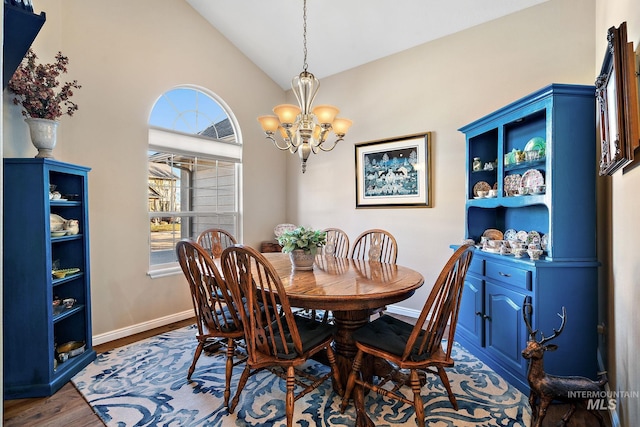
point(305, 129)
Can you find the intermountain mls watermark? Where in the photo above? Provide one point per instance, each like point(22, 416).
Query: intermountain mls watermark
point(602, 400)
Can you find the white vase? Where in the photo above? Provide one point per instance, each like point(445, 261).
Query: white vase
point(44, 134)
point(301, 260)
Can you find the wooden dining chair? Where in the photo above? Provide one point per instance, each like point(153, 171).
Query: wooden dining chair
point(416, 347)
point(275, 338)
point(375, 245)
point(337, 243)
point(215, 240)
point(337, 246)
point(216, 317)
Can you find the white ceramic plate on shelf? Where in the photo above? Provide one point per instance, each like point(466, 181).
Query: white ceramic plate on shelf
point(544, 242)
point(511, 234)
point(532, 178)
point(522, 236)
point(533, 238)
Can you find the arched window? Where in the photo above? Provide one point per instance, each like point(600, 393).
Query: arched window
point(195, 155)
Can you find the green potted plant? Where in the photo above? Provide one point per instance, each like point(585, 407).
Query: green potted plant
point(302, 245)
point(42, 98)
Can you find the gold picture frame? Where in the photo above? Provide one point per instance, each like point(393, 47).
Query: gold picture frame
point(394, 172)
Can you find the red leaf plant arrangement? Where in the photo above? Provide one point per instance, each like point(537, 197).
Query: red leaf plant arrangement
point(38, 90)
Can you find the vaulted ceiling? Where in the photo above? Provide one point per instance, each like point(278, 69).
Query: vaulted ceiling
point(341, 34)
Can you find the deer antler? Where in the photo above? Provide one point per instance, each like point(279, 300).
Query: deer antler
point(557, 332)
point(527, 309)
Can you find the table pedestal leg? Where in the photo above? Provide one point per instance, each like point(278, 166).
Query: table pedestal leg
point(343, 343)
point(345, 347)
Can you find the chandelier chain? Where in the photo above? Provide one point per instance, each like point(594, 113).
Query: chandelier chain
point(303, 128)
point(304, 34)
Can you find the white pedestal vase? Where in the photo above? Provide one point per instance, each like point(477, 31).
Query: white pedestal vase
point(301, 260)
point(44, 134)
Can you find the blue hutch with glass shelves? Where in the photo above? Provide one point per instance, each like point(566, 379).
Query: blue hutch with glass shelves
point(32, 325)
point(490, 323)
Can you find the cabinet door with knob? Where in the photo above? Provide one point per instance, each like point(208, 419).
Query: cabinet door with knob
point(471, 316)
point(506, 334)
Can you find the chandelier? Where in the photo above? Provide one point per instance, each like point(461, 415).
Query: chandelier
point(304, 129)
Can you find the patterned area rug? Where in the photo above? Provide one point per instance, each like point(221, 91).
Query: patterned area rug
point(145, 384)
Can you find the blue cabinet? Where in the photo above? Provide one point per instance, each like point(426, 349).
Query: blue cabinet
point(559, 121)
point(36, 323)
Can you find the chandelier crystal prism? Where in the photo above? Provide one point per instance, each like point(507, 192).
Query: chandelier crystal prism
point(303, 128)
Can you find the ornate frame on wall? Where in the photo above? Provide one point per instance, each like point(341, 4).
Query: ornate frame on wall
point(609, 93)
point(617, 95)
point(394, 172)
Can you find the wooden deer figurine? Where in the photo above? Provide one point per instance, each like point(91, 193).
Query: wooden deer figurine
point(547, 388)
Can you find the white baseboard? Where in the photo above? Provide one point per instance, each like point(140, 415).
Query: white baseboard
point(613, 412)
point(156, 323)
point(409, 312)
point(141, 327)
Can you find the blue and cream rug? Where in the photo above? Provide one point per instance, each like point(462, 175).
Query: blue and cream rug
point(145, 384)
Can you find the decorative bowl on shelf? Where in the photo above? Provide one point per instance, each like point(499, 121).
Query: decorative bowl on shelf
point(58, 233)
point(61, 274)
point(70, 349)
point(537, 144)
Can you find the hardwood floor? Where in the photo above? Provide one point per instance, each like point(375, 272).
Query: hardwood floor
point(69, 409)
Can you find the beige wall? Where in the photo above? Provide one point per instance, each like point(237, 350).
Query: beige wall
point(126, 54)
point(438, 87)
point(622, 236)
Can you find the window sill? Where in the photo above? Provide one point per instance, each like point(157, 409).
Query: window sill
point(164, 272)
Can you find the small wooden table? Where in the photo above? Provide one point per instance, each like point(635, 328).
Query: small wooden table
point(350, 289)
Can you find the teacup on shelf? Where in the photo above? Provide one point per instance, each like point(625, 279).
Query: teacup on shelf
point(518, 252)
point(539, 189)
point(517, 244)
point(534, 254)
point(532, 155)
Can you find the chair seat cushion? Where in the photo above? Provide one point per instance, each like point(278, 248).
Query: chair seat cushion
point(390, 335)
point(311, 332)
point(224, 319)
